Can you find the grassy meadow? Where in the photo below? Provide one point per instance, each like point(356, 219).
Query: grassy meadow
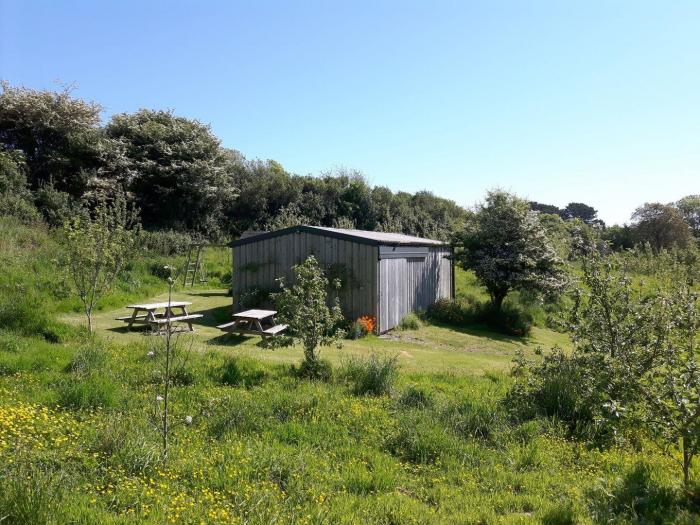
point(436, 445)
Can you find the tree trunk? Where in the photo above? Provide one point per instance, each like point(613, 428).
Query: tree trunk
point(497, 298)
point(89, 319)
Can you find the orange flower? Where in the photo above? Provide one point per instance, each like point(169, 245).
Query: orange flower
point(368, 322)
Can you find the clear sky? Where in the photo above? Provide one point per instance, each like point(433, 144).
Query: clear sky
point(558, 101)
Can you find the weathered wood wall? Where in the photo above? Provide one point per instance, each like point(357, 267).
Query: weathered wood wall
point(259, 264)
point(411, 284)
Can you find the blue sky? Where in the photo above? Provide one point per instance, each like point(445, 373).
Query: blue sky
point(558, 101)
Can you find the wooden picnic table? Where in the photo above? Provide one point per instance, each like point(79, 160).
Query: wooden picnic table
point(149, 314)
point(252, 322)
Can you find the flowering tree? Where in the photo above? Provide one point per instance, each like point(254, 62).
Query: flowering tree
point(507, 247)
point(304, 307)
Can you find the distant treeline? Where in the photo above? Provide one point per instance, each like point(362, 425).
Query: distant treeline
point(56, 153)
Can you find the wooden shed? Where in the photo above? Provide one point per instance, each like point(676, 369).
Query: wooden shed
point(384, 275)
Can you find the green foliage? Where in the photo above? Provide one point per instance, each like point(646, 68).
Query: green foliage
point(510, 319)
point(98, 243)
point(507, 247)
point(15, 197)
point(374, 376)
point(356, 330)
point(240, 372)
point(304, 307)
point(415, 397)
point(689, 207)
point(89, 392)
point(177, 164)
point(409, 322)
point(57, 133)
point(316, 370)
point(166, 243)
point(660, 225)
point(29, 495)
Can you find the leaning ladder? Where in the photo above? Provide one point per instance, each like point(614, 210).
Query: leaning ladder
point(192, 267)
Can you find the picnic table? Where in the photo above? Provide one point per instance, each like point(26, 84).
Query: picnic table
point(255, 322)
point(150, 314)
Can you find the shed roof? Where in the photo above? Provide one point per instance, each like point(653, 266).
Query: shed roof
point(361, 236)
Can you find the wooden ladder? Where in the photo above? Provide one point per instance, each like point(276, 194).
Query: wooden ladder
point(192, 267)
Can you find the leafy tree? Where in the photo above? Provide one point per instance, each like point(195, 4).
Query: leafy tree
point(690, 210)
point(15, 197)
point(304, 307)
point(59, 136)
point(507, 247)
point(660, 225)
point(546, 208)
point(579, 210)
point(98, 244)
point(177, 170)
point(671, 390)
point(619, 237)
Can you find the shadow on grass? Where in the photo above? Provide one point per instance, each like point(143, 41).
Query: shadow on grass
point(215, 316)
point(478, 330)
point(233, 340)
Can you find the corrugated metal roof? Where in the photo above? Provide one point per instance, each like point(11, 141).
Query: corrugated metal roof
point(363, 236)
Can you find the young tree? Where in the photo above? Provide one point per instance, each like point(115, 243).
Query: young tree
point(171, 355)
point(507, 247)
point(98, 243)
point(304, 307)
point(671, 390)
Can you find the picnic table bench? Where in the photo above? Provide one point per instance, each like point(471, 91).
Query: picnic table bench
point(254, 322)
point(149, 314)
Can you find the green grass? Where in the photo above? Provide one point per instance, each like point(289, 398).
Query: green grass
point(431, 444)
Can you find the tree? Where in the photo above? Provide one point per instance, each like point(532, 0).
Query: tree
point(579, 210)
point(507, 248)
point(660, 225)
point(15, 197)
point(177, 170)
point(546, 208)
point(671, 390)
point(59, 136)
point(690, 210)
point(304, 307)
point(171, 357)
point(98, 243)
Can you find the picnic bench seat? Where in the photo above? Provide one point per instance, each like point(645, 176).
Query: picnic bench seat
point(174, 319)
point(251, 322)
point(131, 317)
point(275, 329)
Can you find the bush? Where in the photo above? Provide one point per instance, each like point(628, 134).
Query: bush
point(555, 388)
point(355, 330)
point(166, 242)
point(240, 373)
point(410, 322)
point(374, 376)
point(510, 319)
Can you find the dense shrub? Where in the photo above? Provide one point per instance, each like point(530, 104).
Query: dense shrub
point(555, 388)
point(374, 376)
point(409, 322)
point(166, 242)
point(510, 319)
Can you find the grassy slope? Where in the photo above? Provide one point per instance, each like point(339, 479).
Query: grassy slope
point(76, 444)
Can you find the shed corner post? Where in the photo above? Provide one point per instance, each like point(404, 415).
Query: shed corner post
point(378, 287)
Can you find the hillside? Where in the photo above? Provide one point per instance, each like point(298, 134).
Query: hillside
point(436, 445)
